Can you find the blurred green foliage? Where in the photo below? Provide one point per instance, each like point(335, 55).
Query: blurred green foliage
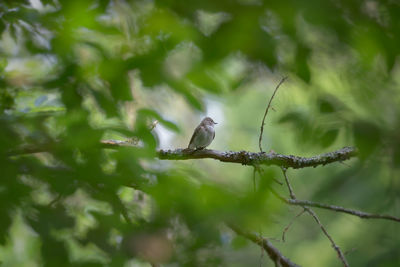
point(75, 72)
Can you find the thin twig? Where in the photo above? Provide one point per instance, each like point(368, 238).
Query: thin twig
point(274, 254)
point(266, 112)
point(290, 224)
point(358, 213)
point(256, 169)
point(336, 247)
point(361, 214)
point(314, 215)
point(292, 195)
point(260, 172)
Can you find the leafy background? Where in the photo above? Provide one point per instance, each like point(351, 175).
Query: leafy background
point(75, 72)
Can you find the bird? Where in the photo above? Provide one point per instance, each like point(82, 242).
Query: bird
point(203, 134)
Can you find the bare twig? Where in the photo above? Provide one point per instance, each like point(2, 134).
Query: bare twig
point(314, 215)
point(266, 111)
point(336, 247)
point(272, 251)
point(361, 214)
point(290, 224)
point(256, 169)
point(260, 172)
point(291, 192)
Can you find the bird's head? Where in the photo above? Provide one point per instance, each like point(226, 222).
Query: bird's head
point(208, 121)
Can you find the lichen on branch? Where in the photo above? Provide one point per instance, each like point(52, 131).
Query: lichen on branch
point(260, 158)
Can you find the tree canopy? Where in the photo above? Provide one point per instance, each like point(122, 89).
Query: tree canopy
point(99, 99)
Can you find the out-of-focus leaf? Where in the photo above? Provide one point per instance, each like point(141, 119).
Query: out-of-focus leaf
point(396, 155)
point(107, 104)
point(100, 235)
point(203, 79)
point(48, 218)
point(114, 71)
point(326, 105)
point(150, 66)
point(152, 113)
point(301, 65)
point(3, 64)
point(293, 117)
point(242, 34)
point(144, 133)
point(4, 224)
point(367, 137)
point(182, 89)
point(7, 101)
point(55, 253)
point(2, 27)
point(329, 137)
point(12, 194)
point(164, 22)
point(89, 47)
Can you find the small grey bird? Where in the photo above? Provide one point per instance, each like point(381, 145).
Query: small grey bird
point(203, 134)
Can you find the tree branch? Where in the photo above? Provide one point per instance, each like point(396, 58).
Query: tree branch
point(242, 157)
point(252, 158)
point(272, 251)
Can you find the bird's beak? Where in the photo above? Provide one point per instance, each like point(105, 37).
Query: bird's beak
point(215, 122)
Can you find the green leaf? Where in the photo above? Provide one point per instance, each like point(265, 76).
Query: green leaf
point(367, 137)
point(153, 114)
point(201, 78)
point(329, 137)
point(301, 67)
point(326, 105)
point(115, 72)
point(106, 103)
point(186, 92)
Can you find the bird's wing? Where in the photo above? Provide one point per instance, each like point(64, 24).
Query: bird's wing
point(194, 133)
